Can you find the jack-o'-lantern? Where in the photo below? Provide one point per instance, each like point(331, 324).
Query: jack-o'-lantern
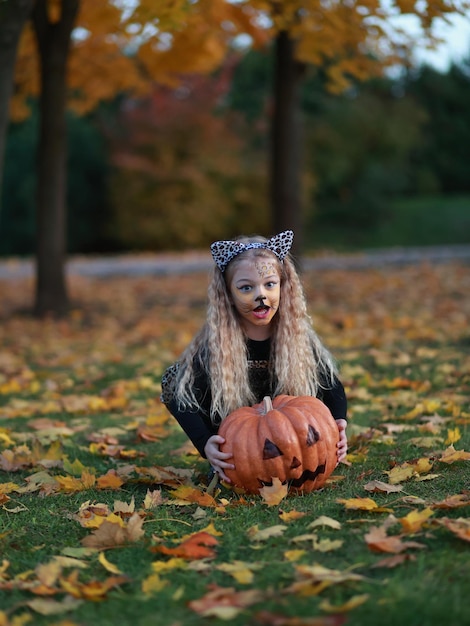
point(292, 438)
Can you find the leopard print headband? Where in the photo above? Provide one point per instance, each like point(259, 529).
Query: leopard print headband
point(224, 251)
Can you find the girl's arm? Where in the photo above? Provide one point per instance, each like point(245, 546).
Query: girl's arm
point(335, 399)
point(193, 424)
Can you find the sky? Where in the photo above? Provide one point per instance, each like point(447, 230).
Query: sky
point(455, 48)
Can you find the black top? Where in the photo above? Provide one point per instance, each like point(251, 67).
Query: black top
point(197, 424)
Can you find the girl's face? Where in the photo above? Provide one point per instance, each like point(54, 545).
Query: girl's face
point(255, 290)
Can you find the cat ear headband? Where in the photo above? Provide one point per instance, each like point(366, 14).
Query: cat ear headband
point(224, 251)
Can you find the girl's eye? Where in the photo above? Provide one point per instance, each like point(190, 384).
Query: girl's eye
point(271, 284)
point(245, 288)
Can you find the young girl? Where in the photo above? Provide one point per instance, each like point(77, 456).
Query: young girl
point(257, 341)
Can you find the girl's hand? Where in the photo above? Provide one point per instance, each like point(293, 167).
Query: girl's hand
point(216, 458)
point(342, 445)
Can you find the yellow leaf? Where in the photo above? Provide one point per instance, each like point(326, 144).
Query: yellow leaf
point(167, 566)
point(451, 455)
point(327, 545)
point(153, 584)
point(399, 474)
point(294, 555)
point(191, 494)
point(359, 504)
point(112, 569)
point(414, 521)
point(289, 516)
point(274, 493)
point(240, 570)
point(352, 603)
point(8, 487)
point(211, 529)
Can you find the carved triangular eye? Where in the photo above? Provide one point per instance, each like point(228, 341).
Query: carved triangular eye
point(295, 463)
point(312, 436)
point(270, 450)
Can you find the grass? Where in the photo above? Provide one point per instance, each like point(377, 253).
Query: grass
point(402, 339)
point(433, 220)
point(422, 221)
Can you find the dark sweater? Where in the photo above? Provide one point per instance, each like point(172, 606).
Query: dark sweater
point(198, 425)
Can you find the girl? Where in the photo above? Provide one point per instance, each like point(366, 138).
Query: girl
point(257, 341)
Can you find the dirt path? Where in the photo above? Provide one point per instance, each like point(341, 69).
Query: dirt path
point(177, 263)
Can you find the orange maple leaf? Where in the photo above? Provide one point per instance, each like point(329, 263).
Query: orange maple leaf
point(110, 480)
point(196, 546)
point(224, 602)
point(378, 541)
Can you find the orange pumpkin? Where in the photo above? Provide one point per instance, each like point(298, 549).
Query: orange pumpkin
point(292, 438)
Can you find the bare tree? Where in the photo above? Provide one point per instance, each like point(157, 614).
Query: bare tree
point(53, 41)
point(286, 142)
point(13, 16)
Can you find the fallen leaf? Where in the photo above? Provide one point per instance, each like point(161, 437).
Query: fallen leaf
point(395, 560)
point(46, 606)
point(267, 618)
point(362, 504)
point(459, 527)
point(275, 493)
point(109, 567)
point(224, 603)
point(324, 520)
point(378, 486)
point(352, 603)
point(413, 522)
point(452, 502)
point(289, 516)
point(112, 534)
point(240, 570)
point(192, 494)
point(451, 455)
point(153, 499)
point(92, 590)
point(262, 535)
point(197, 546)
point(378, 541)
point(153, 584)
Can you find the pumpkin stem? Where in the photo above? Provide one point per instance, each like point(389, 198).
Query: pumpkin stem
point(267, 404)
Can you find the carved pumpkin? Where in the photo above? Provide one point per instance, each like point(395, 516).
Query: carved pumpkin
point(292, 438)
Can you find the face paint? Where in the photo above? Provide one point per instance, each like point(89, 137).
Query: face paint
point(265, 268)
point(255, 290)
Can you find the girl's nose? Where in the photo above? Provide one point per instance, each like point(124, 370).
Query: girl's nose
point(260, 295)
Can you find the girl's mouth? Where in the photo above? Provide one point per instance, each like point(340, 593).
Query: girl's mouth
point(261, 311)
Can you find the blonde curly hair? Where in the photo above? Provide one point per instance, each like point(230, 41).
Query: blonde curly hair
point(299, 363)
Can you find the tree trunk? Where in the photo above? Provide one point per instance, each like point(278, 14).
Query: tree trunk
point(13, 16)
point(53, 41)
point(286, 145)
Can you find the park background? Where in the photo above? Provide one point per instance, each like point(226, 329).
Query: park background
point(384, 160)
point(105, 512)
